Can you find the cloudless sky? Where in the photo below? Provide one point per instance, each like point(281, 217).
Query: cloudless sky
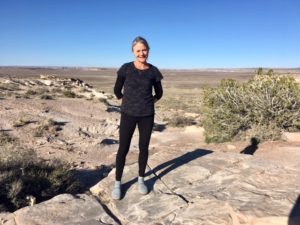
point(181, 33)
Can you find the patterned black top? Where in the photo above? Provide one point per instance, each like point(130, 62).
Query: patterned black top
point(137, 85)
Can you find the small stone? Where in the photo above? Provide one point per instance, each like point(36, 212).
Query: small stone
point(291, 136)
point(231, 147)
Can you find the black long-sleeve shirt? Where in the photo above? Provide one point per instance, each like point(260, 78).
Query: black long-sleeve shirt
point(137, 86)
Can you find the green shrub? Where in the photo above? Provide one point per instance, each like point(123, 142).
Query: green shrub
point(30, 92)
point(69, 94)
point(262, 107)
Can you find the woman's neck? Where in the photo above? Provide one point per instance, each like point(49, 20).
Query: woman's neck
point(140, 65)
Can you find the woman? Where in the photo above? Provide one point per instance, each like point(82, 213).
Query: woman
point(137, 80)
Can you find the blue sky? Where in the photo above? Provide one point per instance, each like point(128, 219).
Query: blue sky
point(181, 33)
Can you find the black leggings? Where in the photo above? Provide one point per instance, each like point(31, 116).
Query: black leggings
point(127, 127)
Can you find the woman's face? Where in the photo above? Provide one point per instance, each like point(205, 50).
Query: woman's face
point(140, 52)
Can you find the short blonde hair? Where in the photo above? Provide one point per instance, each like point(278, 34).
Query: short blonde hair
point(140, 39)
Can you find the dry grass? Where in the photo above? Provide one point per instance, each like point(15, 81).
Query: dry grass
point(9, 87)
point(187, 100)
point(5, 140)
point(22, 175)
point(180, 121)
point(30, 92)
point(46, 128)
point(22, 122)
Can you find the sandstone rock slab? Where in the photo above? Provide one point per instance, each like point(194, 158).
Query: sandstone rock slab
point(205, 187)
point(63, 209)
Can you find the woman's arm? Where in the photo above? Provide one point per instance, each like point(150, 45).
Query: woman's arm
point(158, 91)
point(118, 86)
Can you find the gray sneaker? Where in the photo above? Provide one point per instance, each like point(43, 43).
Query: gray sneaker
point(116, 193)
point(141, 186)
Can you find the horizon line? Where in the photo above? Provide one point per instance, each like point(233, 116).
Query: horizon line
point(108, 67)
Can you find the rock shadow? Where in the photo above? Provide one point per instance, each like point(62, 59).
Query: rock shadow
point(167, 167)
point(159, 127)
point(294, 217)
point(113, 108)
point(5, 130)
point(251, 149)
point(24, 123)
point(90, 178)
point(109, 141)
point(60, 124)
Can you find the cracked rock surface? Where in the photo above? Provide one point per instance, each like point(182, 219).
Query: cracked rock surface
point(205, 187)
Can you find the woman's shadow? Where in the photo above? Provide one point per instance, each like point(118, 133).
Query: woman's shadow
point(294, 217)
point(167, 167)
